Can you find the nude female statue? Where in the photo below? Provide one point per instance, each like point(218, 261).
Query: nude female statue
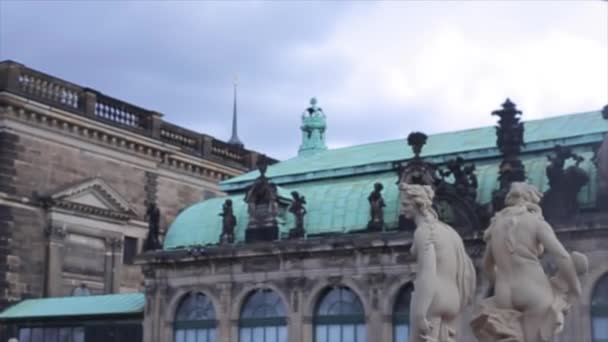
point(527, 305)
point(445, 278)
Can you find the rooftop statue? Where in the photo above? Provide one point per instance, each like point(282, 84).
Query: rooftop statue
point(298, 210)
point(228, 222)
point(445, 276)
point(601, 161)
point(262, 207)
point(376, 208)
point(560, 203)
point(528, 305)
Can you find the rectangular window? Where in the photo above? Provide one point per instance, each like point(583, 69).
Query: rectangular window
point(130, 250)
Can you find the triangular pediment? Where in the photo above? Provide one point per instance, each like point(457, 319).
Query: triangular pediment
point(92, 194)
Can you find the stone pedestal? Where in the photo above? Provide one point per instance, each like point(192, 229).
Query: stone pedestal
point(262, 224)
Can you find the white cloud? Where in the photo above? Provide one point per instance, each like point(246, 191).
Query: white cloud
point(461, 61)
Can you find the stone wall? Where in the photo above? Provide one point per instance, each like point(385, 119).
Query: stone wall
point(44, 150)
point(374, 266)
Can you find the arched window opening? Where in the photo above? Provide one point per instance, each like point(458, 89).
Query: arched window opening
point(401, 314)
point(263, 318)
point(599, 310)
point(339, 317)
point(195, 320)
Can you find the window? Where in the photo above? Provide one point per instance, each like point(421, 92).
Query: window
point(130, 251)
point(339, 317)
point(195, 319)
point(51, 334)
point(401, 314)
point(599, 310)
point(263, 318)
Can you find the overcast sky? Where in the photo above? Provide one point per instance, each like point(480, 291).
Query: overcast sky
point(379, 69)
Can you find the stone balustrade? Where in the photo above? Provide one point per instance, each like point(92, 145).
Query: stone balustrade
point(20, 80)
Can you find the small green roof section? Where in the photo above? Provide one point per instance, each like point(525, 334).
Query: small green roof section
point(558, 129)
point(60, 307)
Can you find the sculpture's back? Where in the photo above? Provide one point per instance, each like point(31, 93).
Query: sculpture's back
point(528, 306)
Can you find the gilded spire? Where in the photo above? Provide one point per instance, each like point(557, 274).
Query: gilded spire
point(234, 139)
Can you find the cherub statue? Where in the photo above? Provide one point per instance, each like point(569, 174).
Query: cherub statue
point(527, 305)
point(298, 210)
point(228, 222)
point(376, 208)
point(445, 276)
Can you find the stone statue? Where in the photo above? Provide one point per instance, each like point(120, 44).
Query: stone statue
point(601, 161)
point(445, 276)
point(298, 210)
point(228, 222)
point(527, 305)
point(153, 216)
point(376, 208)
point(262, 207)
point(560, 203)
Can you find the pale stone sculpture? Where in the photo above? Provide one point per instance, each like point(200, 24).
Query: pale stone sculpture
point(527, 305)
point(445, 278)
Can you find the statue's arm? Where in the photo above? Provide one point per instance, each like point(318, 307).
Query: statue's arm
point(564, 262)
point(426, 274)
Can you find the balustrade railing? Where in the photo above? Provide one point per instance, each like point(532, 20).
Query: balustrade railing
point(119, 112)
point(20, 80)
point(179, 136)
point(224, 150)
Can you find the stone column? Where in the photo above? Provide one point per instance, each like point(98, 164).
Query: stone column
point(150, 312)
point(113, 265)
point(294, 288)
point(224, 325)
point(374, 317)
point(54, 271)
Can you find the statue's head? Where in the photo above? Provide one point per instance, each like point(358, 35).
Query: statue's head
point(378, 187)
point(416, 199)
point(229, 202)
point(522, 193)
point(295, 195)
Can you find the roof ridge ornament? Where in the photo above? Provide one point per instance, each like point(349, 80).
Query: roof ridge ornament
point(510, 141)
point(417, 140)
point(313, 130)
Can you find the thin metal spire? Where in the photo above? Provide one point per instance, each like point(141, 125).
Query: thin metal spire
point(234, 139)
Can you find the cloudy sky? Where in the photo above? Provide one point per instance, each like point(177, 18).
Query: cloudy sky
point(379, 69)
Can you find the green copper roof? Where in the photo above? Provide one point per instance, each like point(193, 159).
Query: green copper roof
point(473, 143)
point(340, 205)
point(114, 304)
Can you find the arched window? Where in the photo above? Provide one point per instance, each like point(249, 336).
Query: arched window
point(339, 317)
point(599, 310)
point(401, 314)
point(263, 318)
point(195, 319)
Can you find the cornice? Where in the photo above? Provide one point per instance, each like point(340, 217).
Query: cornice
point(94, 132)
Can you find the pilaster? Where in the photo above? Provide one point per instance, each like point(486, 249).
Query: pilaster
point(54, 281)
